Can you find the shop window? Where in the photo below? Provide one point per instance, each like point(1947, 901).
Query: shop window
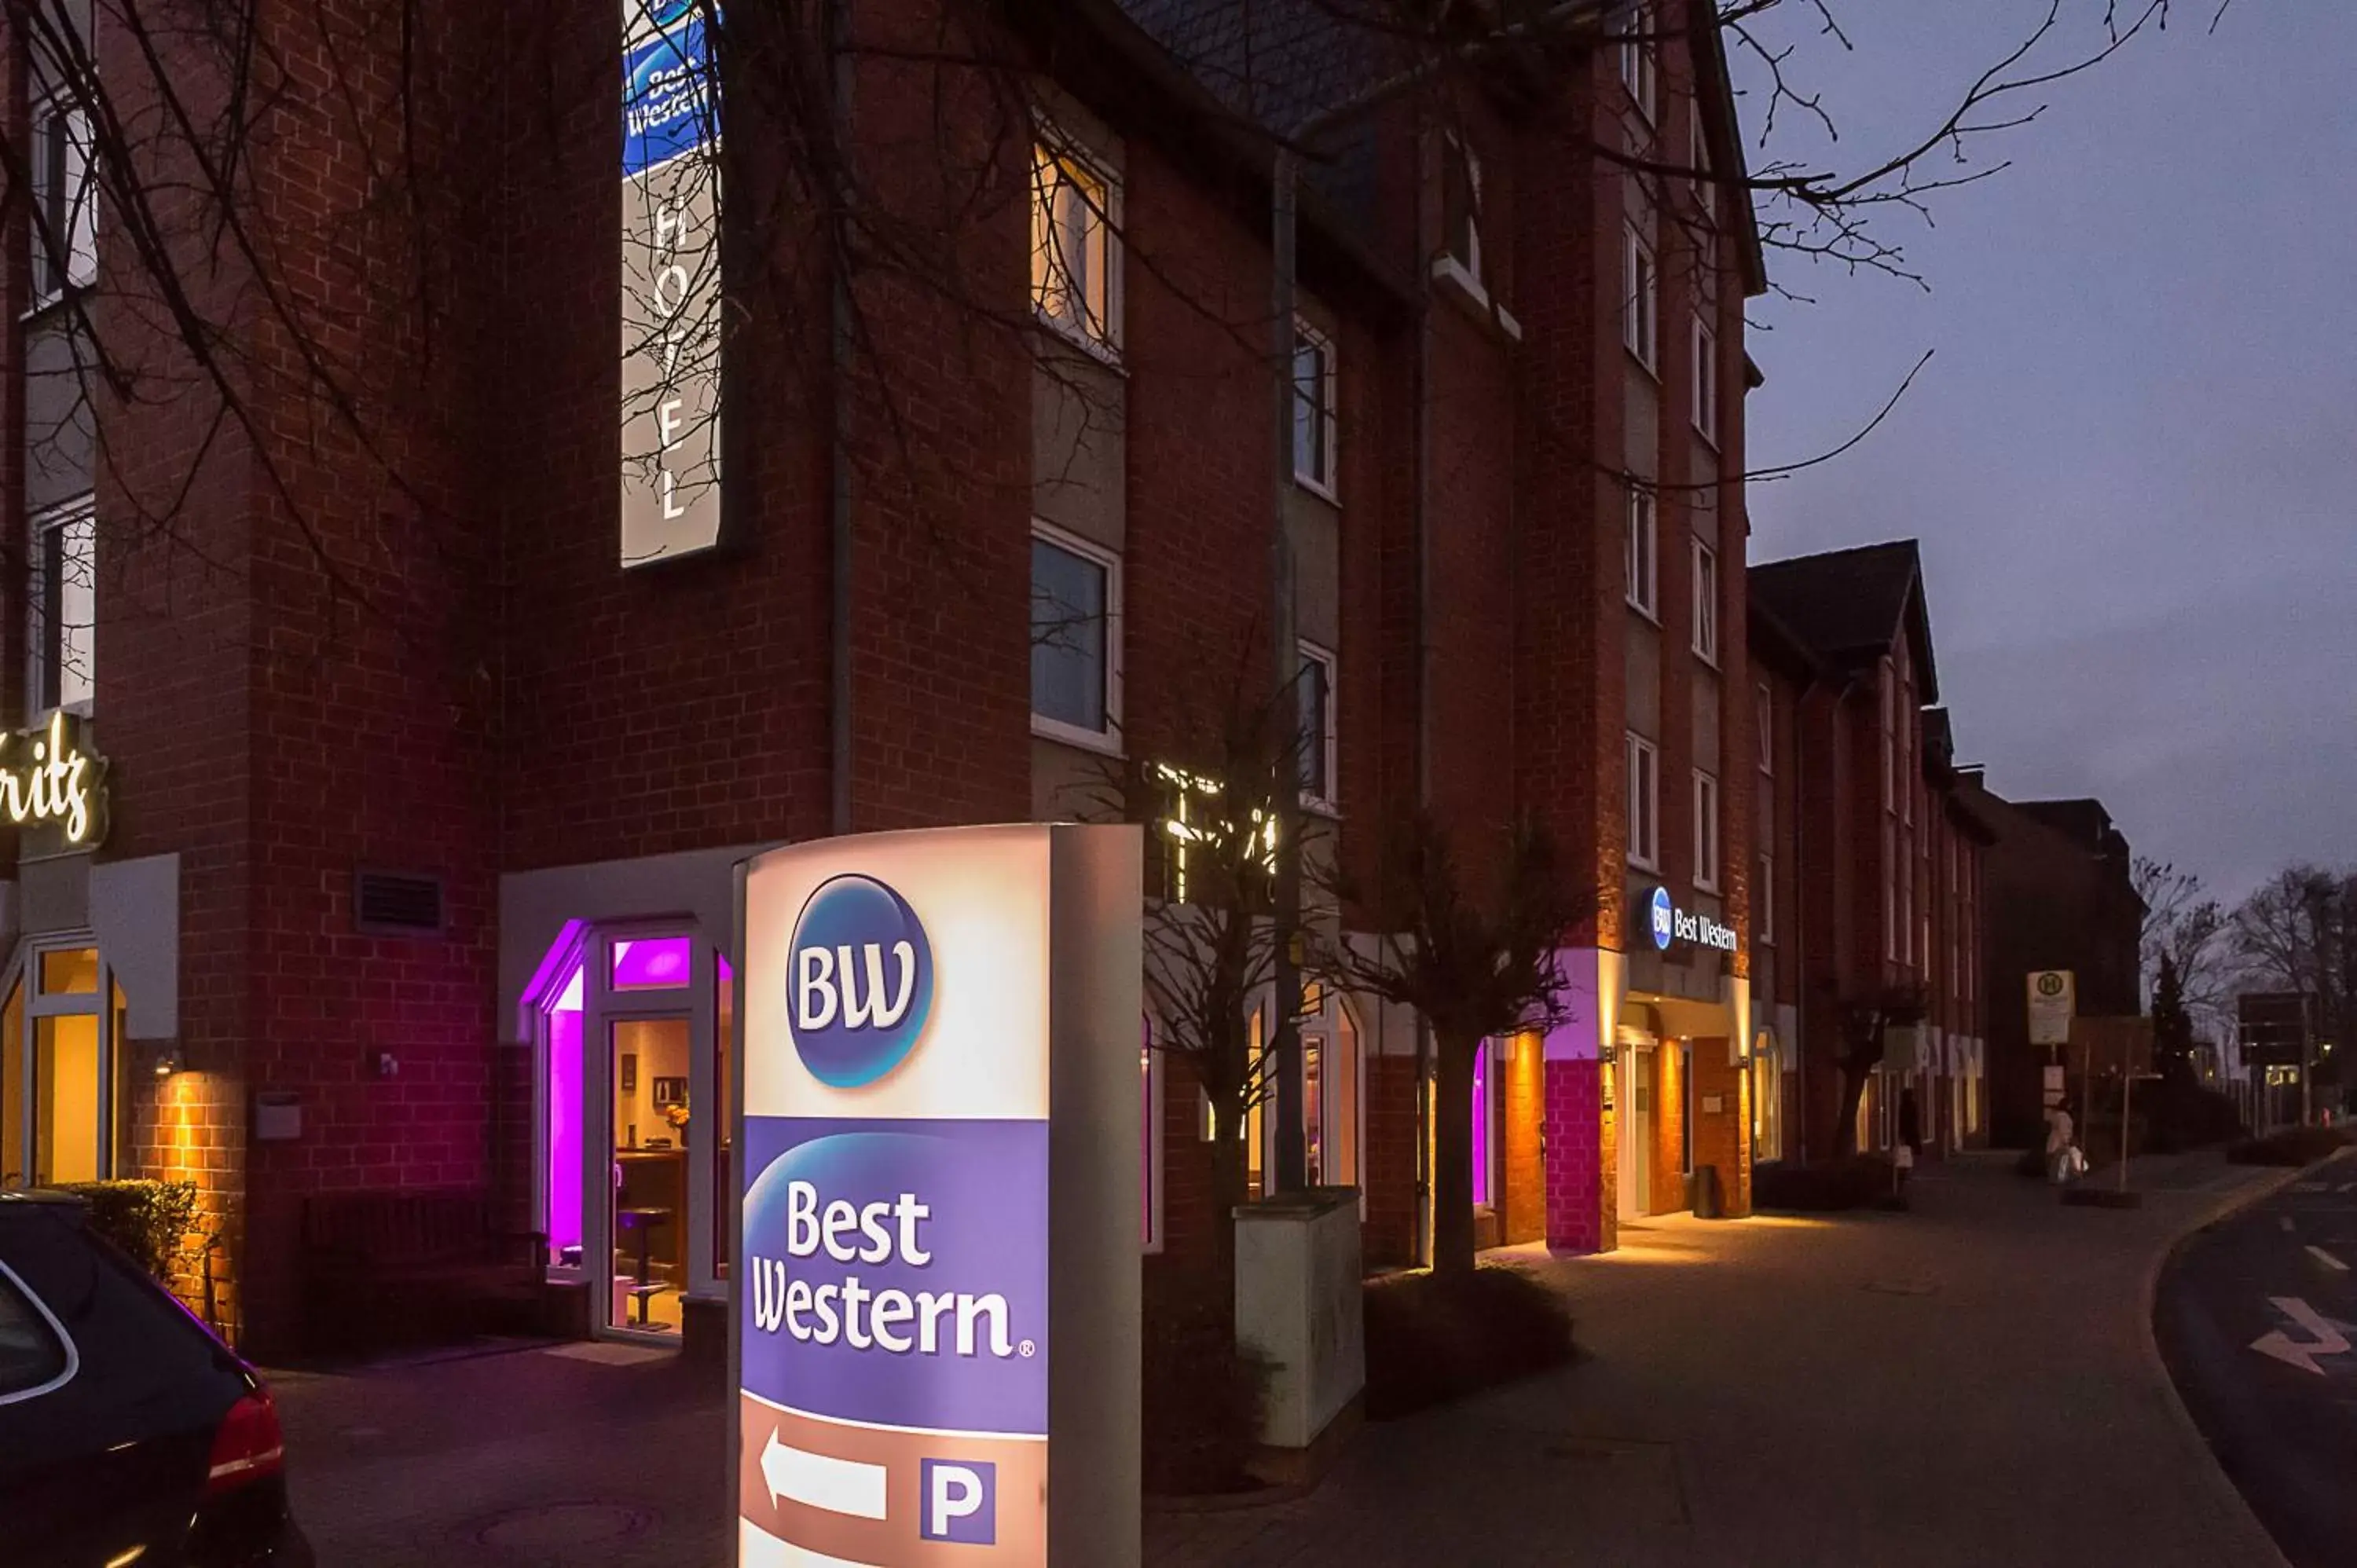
point(70, 972)
point(658, 963)
point(60, 1080)
point(724, 1103)
point(1075, 640)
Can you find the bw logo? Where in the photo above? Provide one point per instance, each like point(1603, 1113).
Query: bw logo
point(863, 981)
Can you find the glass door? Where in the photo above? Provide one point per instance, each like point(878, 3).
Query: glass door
point(648, 1201)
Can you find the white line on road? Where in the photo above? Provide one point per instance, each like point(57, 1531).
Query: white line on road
point(2328, 1260)
point(2326, 1341)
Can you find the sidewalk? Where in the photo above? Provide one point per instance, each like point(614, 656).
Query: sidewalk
point(1971, 1383)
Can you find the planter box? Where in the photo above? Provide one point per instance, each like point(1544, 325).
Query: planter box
point(1298, 1307)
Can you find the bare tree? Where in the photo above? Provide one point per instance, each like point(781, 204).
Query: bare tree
point(2189, 930)
point(2298, 932)
point(1468, 936)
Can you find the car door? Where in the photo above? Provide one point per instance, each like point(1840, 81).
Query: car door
point(107, 1421)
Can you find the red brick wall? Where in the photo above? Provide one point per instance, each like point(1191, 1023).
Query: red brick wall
point(1391, 1161)
point(1723, 1138)
point(1579, 1209)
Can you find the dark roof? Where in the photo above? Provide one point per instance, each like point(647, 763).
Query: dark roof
point(1778, 646)
point(1853, 605)
point(2085, 821)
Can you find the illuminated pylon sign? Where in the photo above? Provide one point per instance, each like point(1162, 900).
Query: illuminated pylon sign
point(936, 1275)
point(671, 282)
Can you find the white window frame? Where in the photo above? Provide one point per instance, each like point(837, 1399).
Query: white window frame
point(1640, 67)
point(1705, 382)
point(1329, 739)
point(1102, 338)
point(1764, 724)
point(76, 228)
point(1642, 763)
point(1641, 306)
point(1705, 604)
point(1763, 902)
point(1469, 267)
point(1706, 831)
point(1108, 740)
point(1640, 553)
point(1324, 483)
point(77, 518)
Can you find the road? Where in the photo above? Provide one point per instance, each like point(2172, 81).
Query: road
point(2256, 1317)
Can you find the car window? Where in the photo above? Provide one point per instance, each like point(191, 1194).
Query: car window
point(32, 1355)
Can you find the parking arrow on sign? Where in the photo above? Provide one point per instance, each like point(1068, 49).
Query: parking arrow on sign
point(2329, 1340)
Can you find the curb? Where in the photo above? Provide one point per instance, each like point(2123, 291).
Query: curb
point(2229, 1495)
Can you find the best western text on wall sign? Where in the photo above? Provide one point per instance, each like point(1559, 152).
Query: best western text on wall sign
point(1671, 924)
point(47, 777)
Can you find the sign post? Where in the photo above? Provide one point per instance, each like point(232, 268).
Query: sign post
point(936, 1274)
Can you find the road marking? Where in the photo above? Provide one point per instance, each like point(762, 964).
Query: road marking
point(2328, 1260)
point(2328, 1340)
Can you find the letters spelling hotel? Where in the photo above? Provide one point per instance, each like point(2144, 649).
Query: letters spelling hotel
point(403, 904)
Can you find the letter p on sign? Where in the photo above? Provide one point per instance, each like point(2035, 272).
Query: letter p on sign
point(961, 1502)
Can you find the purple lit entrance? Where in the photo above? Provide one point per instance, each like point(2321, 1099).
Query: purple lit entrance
point(635, 1033)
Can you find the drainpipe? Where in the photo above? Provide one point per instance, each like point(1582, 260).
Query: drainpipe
point(1291, 1164)
point(1422, 391)
point(837, 23)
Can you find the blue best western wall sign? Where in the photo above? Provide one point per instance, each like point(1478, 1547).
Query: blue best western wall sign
point(937, 1283)
point(1669, 924)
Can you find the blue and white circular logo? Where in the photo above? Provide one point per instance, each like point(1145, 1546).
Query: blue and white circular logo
point(1663, 927)
point(863, 981)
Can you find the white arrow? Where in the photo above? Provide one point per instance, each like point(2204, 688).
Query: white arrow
point(2328, 1340)
point(822, 1481)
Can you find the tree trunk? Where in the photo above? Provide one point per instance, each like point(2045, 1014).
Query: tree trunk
point(1452, 1159)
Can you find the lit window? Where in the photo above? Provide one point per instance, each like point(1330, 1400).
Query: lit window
point(1640, 553)
point(1705, 382)
point(1072, 252)
point(1315, 757)
point(1075, 639)
point(1763, 903)
point(1314, 388)
point(1460, 207)
point(1640, 300)
point(1639, 69)
point(65, 201)
point(1706, 602)
point(62, 605)
point(1763, 709)
point(1645, 802)
point(1706, 824)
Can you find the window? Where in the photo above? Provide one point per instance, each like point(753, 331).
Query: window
point(1073, 206)
point(33, 1356)
point(65, 201)
point(1641, 556)
point(1460, 207)
point(1763, 903)
point(1639, 70)
point(1705, 185)
point(62, 605)
point(1644, 803)
point(1706, 602)
point(1705, 382)
point(58, 1033)
point(1313, 409)
point(1075, 640)
point(1764, 724)
point(1889, 889)
point(1640, 301)
point(1317, 758)
point(1706, 827)
point(1889, 741)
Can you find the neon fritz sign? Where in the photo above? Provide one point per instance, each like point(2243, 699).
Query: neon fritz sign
point(49, 778)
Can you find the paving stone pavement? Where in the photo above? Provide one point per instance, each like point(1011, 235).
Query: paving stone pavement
point(1972, 1383)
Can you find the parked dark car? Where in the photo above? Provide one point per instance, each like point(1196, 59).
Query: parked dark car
point(129, 1433)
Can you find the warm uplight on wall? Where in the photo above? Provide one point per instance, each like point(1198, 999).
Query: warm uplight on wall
point(167, 1063)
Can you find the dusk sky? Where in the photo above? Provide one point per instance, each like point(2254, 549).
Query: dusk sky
point(2132, 460)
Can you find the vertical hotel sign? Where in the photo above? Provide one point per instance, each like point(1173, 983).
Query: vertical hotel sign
point(671, 282)
point(937, 1293)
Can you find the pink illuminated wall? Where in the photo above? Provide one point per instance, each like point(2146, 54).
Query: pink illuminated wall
point(658, 963)
point(1481, 1124)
